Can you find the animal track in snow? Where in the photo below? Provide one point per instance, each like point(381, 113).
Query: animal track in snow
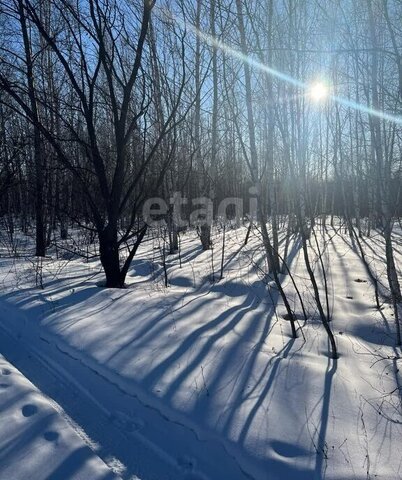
point(29, 410)
point(51, 436)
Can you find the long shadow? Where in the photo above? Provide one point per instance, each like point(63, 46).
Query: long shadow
point(148, 332)
point(62, 304)
point(197, 361)
point(239, 311)
point(72, 465)
point(233, 289)
point(381, 245)
point(232, 256)
point(191, 254)
point(292, 253)
point(248, 366)
point(368, 332)
point(108, 438)
point(22, 439)
point(244, 308)
point(261, 397)
point(189, 342)
point(340, 258)
point(82, 279)
point(321, 444)
point(395, 358)
point(382, 287)
point(374, 251)
point(224, 323)
point(288, 238)
point(289, 257)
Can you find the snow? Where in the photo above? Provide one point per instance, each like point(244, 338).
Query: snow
point(202, 380)
point(36, 440)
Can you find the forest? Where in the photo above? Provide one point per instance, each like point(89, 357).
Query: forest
point(200, 239)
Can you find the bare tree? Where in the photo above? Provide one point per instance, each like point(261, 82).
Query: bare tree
point(110, 89)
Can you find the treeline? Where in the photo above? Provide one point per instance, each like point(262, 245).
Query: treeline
point(105, 103)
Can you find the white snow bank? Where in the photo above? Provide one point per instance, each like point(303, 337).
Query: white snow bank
point(36, 442)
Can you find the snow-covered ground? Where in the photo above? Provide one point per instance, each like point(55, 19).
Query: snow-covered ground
point(201, 380)
point(37, 439)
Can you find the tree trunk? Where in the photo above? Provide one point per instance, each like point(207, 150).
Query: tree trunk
point(205, 236)
point(254, 170)
point(40, 247)
point(109, 256)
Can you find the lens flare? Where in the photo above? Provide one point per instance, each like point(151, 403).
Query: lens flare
point(318, 91)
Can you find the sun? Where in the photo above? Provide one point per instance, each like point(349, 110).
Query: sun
point(318, 91)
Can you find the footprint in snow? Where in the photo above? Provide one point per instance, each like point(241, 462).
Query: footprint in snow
point(29, 410)
point(51, 436)
point(5, 371)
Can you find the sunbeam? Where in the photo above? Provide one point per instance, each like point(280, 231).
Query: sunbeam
point(315, 92)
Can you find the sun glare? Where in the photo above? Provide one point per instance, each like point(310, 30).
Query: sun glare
point(318, 91)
